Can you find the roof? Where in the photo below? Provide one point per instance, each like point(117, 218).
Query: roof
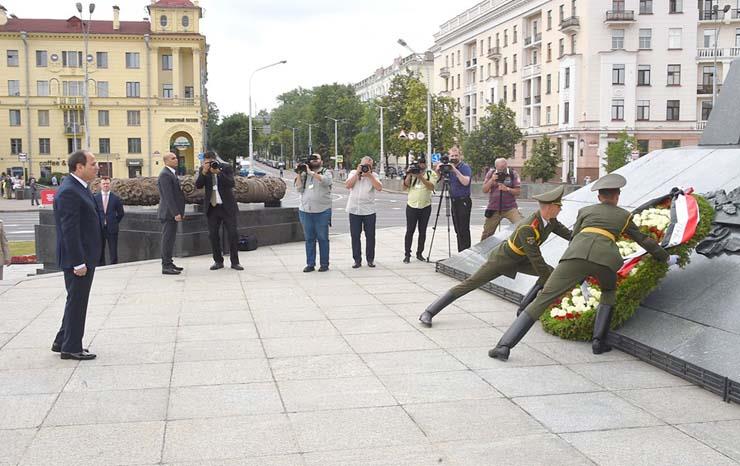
point(73, 26)
point(174, 4)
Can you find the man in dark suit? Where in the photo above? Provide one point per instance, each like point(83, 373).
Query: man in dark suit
point(79, 241)
point(220, 207)
point(171, 210)
point(111, 213)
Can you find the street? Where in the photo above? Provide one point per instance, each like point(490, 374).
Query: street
point(19, 225)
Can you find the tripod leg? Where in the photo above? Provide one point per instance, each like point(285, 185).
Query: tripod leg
point(436, 219)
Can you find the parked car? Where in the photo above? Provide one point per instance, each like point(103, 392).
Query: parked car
point(244, 171)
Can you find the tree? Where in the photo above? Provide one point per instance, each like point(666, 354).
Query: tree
point(495, 137)
point(214, 115)
point(367, 141)
point(618, 152)
point(544, 161)
point(231, 137)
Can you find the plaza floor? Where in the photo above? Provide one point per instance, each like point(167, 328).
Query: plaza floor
point(271, 366)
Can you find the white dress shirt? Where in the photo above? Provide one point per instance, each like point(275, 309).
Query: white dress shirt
point(361, 200)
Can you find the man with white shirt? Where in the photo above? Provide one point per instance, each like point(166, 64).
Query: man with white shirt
point(79, 242)
point(362, 184)
point(171, 211)
point(111, 213)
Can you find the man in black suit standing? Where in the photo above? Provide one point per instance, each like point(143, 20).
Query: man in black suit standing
point(171, 210)
point(111, 213)
point(79, 242)
point(220, 207)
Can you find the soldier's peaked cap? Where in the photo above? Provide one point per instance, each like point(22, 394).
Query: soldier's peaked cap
point(610, 181)
point(554, 196)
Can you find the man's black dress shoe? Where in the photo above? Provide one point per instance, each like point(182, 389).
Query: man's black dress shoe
point(217, 266)
point(179, 269)
point(308, 268)
point(170, 271)
point(371, 264)
point(324, 268)
point(57, 348)
point(357, 265)
point(406, 259)
point(420, 256)
point(79, 356)
point(237, 267)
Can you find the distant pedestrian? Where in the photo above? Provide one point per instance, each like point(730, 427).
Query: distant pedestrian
point(4, 250)
point(54, 181)
point(34, 191)
point(110, 209)
point(2, 185)
point(9, 187)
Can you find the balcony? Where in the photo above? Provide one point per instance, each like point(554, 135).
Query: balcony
point(471, 63)
point(571, 24)
point(72, 129)
point(533, 40)
point(706, 89)
point(470, 88)
point(177, 102)
point(708, 54)
point(70, 102)
point(620, 16)
point(531, 70)
point(494, 53)
point(444, 72)
point(700, 125)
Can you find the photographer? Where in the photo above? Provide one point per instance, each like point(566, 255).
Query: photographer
point(460, 175)
point(314, 185)
point(503, 186)
point(220, 207)
point(419, 182)
point(362, 184)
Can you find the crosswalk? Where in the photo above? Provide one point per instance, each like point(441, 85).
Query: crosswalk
point(19, 226)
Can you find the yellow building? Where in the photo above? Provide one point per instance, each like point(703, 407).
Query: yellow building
point(146, 88)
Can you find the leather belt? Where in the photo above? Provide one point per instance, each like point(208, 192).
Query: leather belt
point(599, 231)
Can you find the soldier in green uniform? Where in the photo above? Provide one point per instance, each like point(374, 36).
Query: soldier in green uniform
point(592, 253)
point(520, 254)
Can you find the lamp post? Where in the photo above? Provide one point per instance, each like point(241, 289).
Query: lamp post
point(429, 100)
point(85, 90)
point(310, 143)
point(251, 143)
point(382, 152)
point(293, 129)
point(336, 149)
point(715, 10)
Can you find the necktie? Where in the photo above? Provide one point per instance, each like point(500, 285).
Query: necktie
point(214, 202)
point(105, 203)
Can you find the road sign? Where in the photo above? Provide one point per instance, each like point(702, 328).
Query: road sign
point(436, 157)
point(340, 159)
point(420, 136)
point(22, 157)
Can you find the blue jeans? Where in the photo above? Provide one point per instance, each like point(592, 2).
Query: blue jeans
point(316, 228)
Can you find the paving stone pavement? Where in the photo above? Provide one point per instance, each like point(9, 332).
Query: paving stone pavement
point(271, 366)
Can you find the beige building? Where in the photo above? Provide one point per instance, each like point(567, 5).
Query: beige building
point(580, 71)
point(146, 87)
point(377, 84)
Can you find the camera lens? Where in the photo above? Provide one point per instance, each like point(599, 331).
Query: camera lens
point(215, 165)
point(364, 168)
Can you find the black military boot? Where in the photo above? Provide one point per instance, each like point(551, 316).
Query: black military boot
point(433, 309)
point(528, 298)
point(513, 335)
point(601, 329)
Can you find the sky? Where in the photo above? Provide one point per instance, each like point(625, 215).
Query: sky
point(323, 41)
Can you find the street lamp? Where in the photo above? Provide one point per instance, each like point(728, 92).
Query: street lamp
point(85, 90)
point(310, 142)
point(293, 129)
point(382, 154)
point(429, 100)
point(251, 144)
point(715, 10)
point(336, 151)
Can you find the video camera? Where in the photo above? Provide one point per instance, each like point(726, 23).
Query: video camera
point(415, 168)
point(444, 165)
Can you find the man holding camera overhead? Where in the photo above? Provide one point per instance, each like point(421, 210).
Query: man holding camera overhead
point(220, 207)
point(460, 175)
point(503, 186)
point(419, 182)
point(362, 184)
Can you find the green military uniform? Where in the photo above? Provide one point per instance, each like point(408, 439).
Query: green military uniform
point(519, 254)
point(592, 252)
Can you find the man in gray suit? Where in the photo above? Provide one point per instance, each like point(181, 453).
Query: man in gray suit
point(171, 210)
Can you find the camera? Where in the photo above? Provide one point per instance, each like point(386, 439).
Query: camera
point(502, 177)
point(444, 165)
point(215, 165)
point(302, 164)
point(364, 168)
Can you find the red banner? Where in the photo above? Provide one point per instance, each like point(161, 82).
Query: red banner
point(47, 196)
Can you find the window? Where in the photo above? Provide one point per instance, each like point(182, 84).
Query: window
point(673, 110)
point(548, 84)
point(573, 7)
point(646, 7)
point(42, 59)
point(706, 109)
point(675, 6)
point(458, 80)
point(643, 75)
point(572, 44)
point(189, 89)
point(13, 58)
point(42, 88)
point(709, 36)
point(643, 110)
point(133, 117)
point(101, 58)
point(506, 94)
point(72, 88)
point(561, 47)
point(566, 112)
point(185, 21)
point(73, 144)
point(513, 64)
point(534, 57)
point(617, 109)
point(567, 78)
point(618, 5)
point(561, 13)
point(72, 59)
point(506, 37)
point(646, 38)
point(514, 35)
point(134, 145)
point(16, 146)
point(44, 146)
point(132, 59)
point(104, 145)
point(671, 143)
point(506, 66)
point(452, 82)
point(618, 75)
point(674, 38)
point(102, 88)
point(737, 37)
point(167, 62)
point(43, 117)
point(549, 52)
point(674, 75)
point(103, 118)
point(549, 19)
point(458, 57)
point(548, 114)
point(133, 89)
point(643, 146)
point(618, 39)
point(14, 87)
point(524, 149)
point(163, 21)
point(497, 40)
point(15, 117)
point(513, 92)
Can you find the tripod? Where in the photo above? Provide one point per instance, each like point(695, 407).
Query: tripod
point(443, 195)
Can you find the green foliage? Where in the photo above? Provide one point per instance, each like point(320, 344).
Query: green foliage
point(543, 163)
point(495, 137)
point(618, 152)
point(634, 288)
point(367, 141)
point(214, 116)
point(231, 137)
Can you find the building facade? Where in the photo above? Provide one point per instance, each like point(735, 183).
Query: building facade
point(579, 71)
point(378, 84)
point(146, 88)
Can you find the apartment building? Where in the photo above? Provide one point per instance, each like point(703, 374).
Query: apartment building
point(580, 71)
point(145, 86)
point(377, 84)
